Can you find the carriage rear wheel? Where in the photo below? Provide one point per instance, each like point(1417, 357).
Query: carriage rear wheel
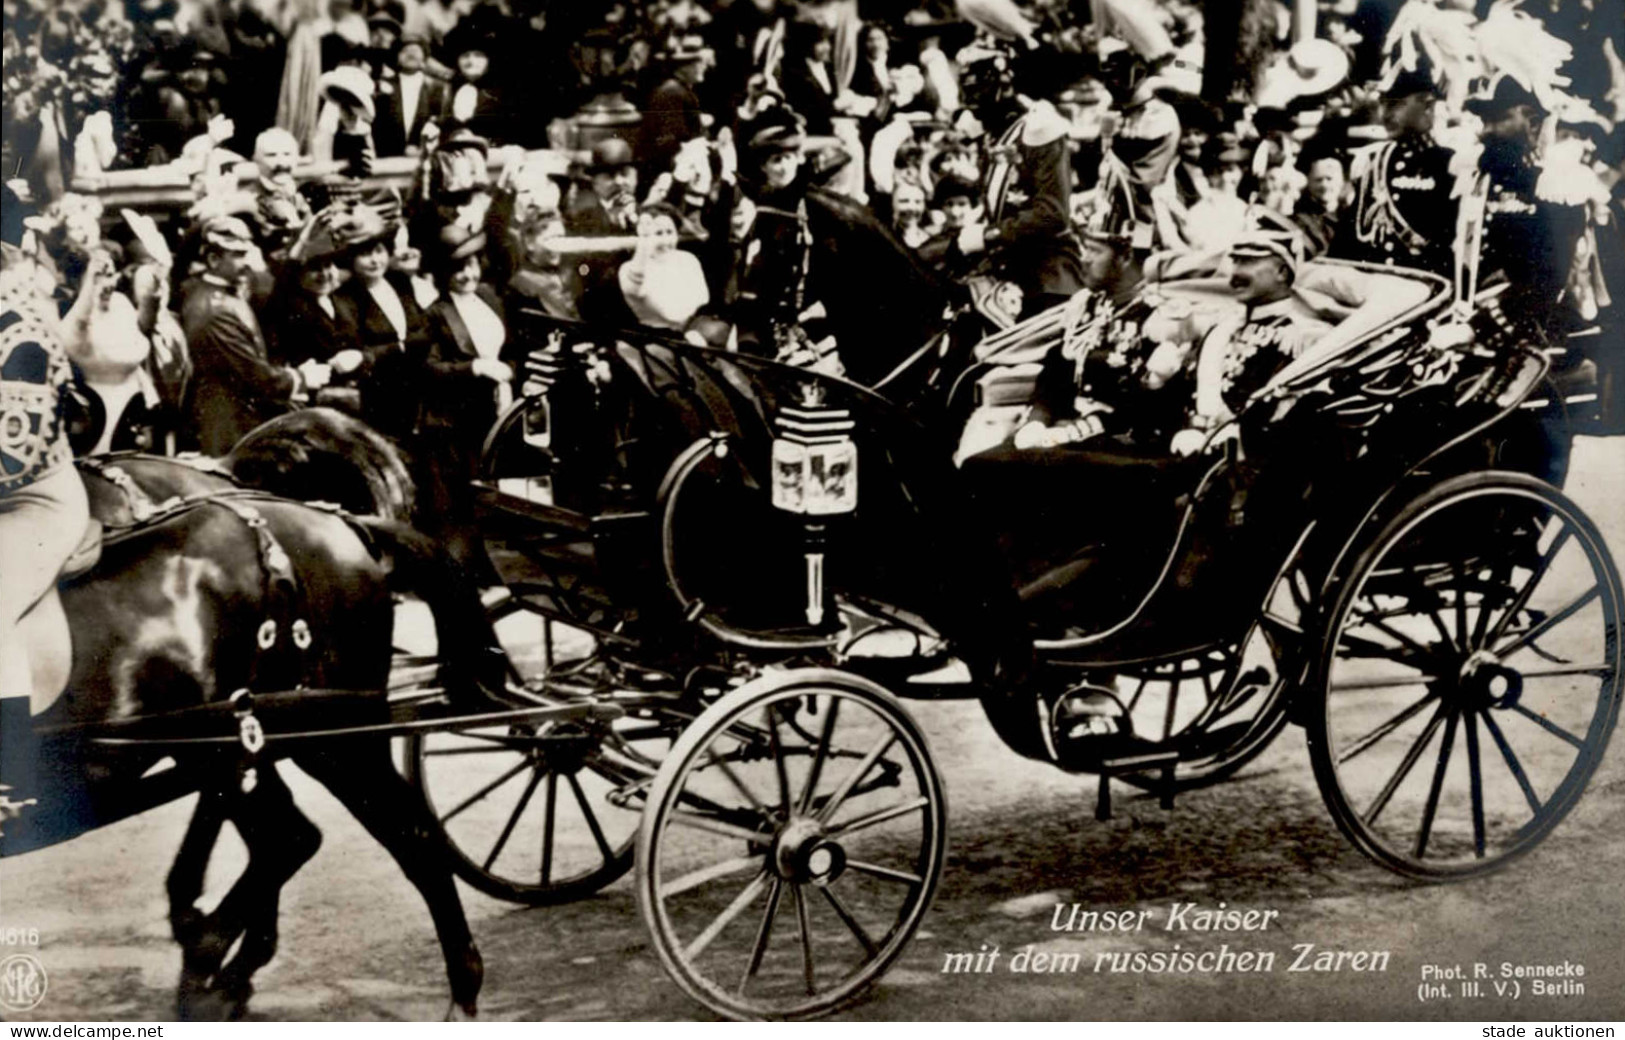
point(791, 845)
point(1470, 677)
point(542, 815)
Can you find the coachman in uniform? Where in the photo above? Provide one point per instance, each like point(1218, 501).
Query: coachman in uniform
point(1403, 212)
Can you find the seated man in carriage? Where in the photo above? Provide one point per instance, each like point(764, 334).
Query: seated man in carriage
point(1124, 415)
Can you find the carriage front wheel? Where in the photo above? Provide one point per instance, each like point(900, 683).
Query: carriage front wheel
point(1470, 676)
point(791, 844)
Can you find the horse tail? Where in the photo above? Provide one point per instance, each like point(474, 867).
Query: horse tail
point(472, 660)
point(319, 454)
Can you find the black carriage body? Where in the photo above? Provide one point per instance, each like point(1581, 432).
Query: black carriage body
point(1321, 449)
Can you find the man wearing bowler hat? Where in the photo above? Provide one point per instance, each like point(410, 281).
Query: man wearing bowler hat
point(408, 101)
point(1403, 211)
point(604, 205)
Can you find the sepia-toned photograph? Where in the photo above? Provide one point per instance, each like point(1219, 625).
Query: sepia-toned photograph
point(883, 510)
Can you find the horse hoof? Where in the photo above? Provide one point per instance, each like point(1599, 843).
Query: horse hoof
point(196, 1001)
point(208, 1005)
point(456, 1012)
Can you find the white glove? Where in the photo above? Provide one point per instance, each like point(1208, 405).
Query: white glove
point(1188, 442)
point(489, 368)
point(315, 374)
point(221, 129)
point(972, 239)
point(346, 361)
point(1033, 435)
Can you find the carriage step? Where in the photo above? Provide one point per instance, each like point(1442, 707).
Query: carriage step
point(1163, 761)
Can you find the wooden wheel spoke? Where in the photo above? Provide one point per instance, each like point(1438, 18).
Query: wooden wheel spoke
point(884, 873)
point(820, 755)
point(1550, 622)
point(781, 768)
point(494, 744)
point(726, 830)
point(513, 819)
point(1168, 713)
point(591, 817)
point(852, 924)
point(1513, 765)
point(1405, 767)
point(739, 785)
point(487, 789)
point(1135, 699)
point(722, 920)
point(1360, 646)
point(547, 827)
point(1521, 600)
point(808, 972)
point(758, 950)
point(1207, 686)
point(858, 772)
point(879, 816)
point(1475, 777)
point(695, 878)
point(1446, 745)
point(1385, 683)
point(1426, 653)
point(1459, 571)
point(1549, 726)
point(1599, 669)
point(1366, 742)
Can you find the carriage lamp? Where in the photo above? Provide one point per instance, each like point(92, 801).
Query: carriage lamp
point(815, 475)
point(542, 370)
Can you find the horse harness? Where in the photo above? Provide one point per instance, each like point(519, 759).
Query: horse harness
point(282, 623)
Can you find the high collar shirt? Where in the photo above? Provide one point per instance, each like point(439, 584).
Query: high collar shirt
point(485, 329)
point(390, 303)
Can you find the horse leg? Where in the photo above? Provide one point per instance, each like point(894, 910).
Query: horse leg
point(280, 839)
point(200, 955)
point(283, 839)
point(365, 780)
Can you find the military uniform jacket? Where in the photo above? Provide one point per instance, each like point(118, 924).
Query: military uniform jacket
point(1403, 212)
point(235, 386)
point(1241, 355)
point(1528, 242)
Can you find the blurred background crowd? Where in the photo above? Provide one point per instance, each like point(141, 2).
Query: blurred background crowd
point(348, 201)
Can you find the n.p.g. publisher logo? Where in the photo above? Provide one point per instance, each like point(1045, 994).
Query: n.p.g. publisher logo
point(22, 982)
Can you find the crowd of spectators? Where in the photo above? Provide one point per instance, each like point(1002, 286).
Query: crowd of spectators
point(649, 163)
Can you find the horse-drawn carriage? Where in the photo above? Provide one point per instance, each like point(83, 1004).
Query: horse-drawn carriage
point(716, 575)
point(756, 562)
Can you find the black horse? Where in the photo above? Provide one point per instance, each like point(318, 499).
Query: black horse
point(187, 605)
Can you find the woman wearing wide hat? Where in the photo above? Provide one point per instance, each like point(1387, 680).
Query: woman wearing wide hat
point(309, 319)
point(344, 127)
point(468, 378)
point(393, 329)
point(473, 101)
